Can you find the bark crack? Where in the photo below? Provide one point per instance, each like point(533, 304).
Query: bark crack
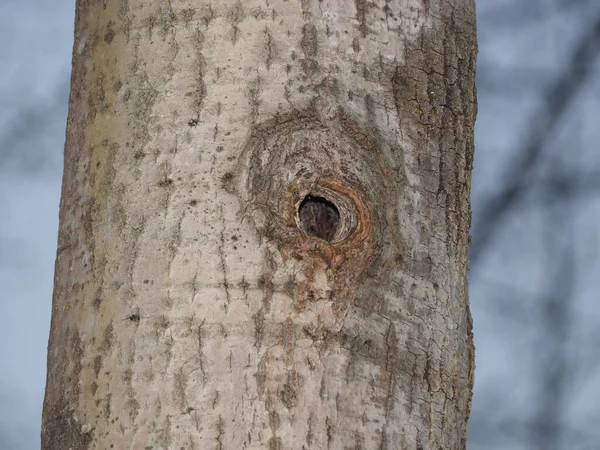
point(224, 262)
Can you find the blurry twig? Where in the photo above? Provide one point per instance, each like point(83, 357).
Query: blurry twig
point(558, 98)
point(555, 367)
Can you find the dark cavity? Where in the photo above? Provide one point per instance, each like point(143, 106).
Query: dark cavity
point(319, 217)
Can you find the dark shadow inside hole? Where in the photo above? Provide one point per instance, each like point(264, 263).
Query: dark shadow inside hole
point(319, 217)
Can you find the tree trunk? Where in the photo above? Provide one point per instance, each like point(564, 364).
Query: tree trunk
point(264, 227)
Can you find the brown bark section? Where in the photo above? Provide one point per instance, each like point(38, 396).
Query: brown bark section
point(192, 309)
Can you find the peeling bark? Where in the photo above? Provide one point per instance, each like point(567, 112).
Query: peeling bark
point(197, 305)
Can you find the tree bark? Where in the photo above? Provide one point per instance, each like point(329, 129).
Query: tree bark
point(264, 227)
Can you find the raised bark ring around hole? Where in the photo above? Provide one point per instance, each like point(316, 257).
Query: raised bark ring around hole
point(326, 214)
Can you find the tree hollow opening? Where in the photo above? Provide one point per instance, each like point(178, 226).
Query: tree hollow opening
point(319, 217)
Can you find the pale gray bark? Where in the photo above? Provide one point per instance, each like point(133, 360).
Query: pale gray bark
point(191, 309)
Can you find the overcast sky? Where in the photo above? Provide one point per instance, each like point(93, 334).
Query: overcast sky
point(36, 45)
point(524, 48)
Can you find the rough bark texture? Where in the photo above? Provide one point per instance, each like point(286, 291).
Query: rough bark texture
point(193, 307)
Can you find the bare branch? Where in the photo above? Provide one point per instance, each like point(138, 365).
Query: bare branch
point(558, 98)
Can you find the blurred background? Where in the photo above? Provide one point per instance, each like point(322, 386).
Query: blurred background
point(535, 271)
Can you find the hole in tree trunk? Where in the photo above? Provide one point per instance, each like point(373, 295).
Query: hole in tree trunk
point(319, 217)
